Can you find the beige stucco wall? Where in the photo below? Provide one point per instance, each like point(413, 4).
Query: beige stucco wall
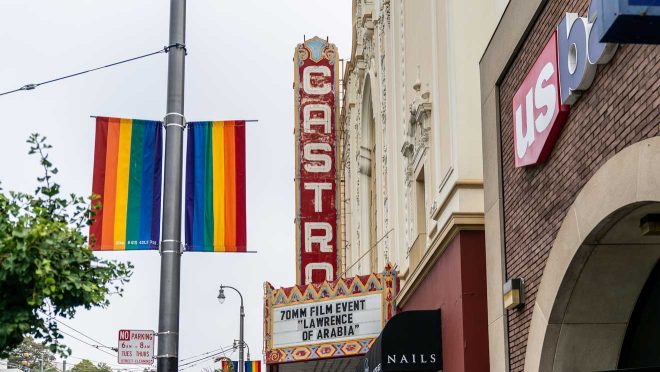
point(420, 61)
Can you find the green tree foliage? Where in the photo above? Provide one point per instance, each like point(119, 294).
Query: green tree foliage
point(46, 267)
point(87, 366)
point(32, 352)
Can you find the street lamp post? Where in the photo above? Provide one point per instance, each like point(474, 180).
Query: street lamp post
point(221, 299)
point(248, 352)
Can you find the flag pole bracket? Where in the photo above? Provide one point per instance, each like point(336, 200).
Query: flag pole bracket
point(167, 124)
point(177, 46)
point(179, 252)
point(166, 333)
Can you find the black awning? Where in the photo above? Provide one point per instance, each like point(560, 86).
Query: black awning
point(410, 341)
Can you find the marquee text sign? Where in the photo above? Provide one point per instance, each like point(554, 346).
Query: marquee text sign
point(334, 320)
point(566, 68)
point(316, 104)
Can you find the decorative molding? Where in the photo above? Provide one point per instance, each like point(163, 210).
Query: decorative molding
point(385, 11)
point(435, 205)
point(439, 204)
point(407, 149)
point(415, 149)
point(383, 124)
point(368, 25)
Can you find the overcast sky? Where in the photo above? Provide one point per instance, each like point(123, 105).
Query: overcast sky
point(239, 66)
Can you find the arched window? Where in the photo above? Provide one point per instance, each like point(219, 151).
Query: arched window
point(367, 160)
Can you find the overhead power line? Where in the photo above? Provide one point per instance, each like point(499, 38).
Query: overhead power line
point(97, 347)
point(99, 343)
point(202, 354)
point(32, 86)
point(91, 360)
point(193, 363)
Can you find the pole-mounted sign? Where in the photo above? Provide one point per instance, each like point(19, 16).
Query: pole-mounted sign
point(135, 347)
point(316, 111)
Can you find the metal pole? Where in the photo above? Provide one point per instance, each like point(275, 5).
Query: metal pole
point(64, 365)
point(41, 362)
point(241, 360)
point(170, 263)
point(241, 341)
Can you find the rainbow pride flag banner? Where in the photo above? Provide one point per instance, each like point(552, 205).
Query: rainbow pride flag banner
point(253, 366)
point(127, 178)
point(215, 187)
point(232, 366)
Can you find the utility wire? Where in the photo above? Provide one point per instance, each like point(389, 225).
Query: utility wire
point(200, 360)
point(91, 360)
point(34, 85)
point(99, 343)
point(207, 360)
point(202, 354)
point(97, 347)
point(196, 361)
point(114, 366)
point(365, 253)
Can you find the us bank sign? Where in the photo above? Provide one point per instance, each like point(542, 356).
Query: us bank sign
point(327, 320)
point(566, 67)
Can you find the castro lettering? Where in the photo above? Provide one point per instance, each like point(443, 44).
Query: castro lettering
point(565, 68)
point(316, 184)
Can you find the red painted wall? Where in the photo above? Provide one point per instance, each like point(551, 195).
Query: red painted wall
point(457, 285)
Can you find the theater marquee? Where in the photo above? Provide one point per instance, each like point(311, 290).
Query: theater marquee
point(346, 318)
point(327, 320)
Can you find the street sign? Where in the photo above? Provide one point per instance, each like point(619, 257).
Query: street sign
point(135, 347)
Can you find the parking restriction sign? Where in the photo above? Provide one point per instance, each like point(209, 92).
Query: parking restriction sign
point(135, 347)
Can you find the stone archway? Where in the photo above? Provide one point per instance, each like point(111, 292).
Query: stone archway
point(597, 266)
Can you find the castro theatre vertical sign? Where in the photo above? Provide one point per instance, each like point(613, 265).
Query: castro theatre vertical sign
point(316, 113)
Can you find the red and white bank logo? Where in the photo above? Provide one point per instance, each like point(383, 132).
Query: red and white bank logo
point(565, 69)
point(538, 114)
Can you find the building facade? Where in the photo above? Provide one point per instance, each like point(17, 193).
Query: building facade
point(571, 200)
point(411, 165)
